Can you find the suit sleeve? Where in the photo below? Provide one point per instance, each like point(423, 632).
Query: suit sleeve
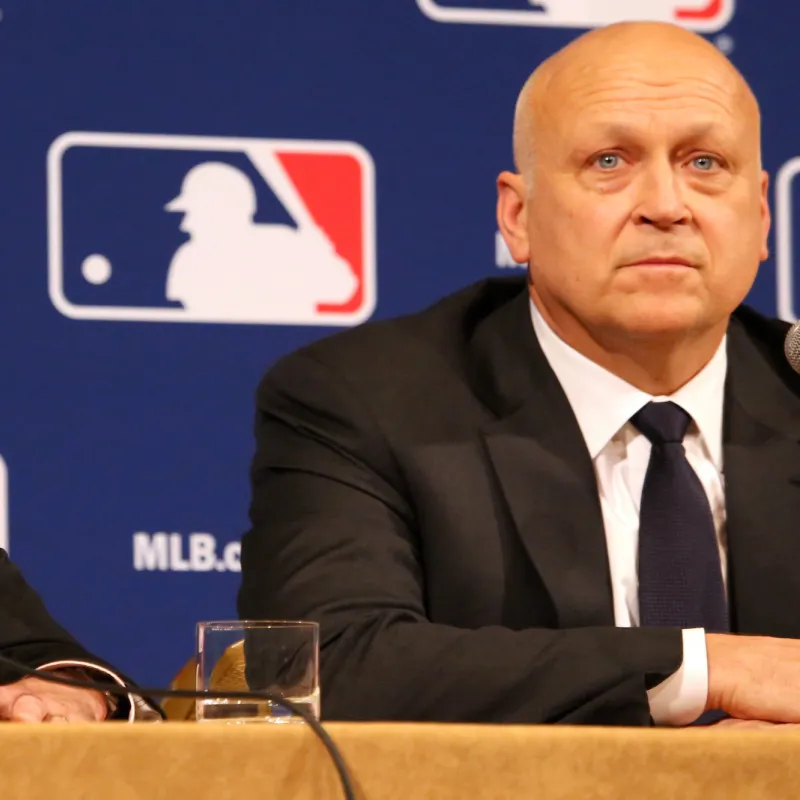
point(27, 631)
point(334, 538)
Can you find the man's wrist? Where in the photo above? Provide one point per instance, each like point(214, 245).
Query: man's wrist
point(90, 672)
point(682, 697)
point(721, 650)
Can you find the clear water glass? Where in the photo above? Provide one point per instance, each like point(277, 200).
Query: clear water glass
point(276, 656)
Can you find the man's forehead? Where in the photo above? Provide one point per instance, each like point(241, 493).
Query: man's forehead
point(660, 54)
point(639, 74)
point(632, 109)
point(683, 121)
point(643, 83)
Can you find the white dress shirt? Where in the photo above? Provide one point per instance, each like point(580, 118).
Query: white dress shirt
point(603, 405)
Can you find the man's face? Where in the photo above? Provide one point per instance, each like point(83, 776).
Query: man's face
point(645, 208)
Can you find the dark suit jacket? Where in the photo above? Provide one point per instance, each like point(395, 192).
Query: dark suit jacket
point(29, 635)
point(421, 488)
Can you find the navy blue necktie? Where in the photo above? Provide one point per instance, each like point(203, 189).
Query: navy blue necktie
point(680, 575)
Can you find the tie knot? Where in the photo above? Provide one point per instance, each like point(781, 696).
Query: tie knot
point(662, 423)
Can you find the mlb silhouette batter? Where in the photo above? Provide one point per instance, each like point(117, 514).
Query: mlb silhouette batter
point(234, 269)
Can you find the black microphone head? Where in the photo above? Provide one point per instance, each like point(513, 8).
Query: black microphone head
point(791, 346)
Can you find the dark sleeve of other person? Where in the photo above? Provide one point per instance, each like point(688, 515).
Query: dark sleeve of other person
point(30, 636)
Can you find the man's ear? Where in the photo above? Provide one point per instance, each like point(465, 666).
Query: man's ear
point(512, 215)
point(766, 217)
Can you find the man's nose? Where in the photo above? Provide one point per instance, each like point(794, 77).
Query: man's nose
point(661, 201)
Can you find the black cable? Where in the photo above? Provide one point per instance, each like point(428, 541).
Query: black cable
point(141, 691)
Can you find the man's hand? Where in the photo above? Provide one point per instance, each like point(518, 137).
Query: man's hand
point(35, 700)
point(754, 677)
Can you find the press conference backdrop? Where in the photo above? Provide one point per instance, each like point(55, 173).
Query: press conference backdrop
point(191, 189)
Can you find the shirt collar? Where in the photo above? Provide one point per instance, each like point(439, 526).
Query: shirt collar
point(603, 403)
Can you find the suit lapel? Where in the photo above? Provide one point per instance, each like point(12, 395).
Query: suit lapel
point(547, 480)
point(762, 472)
point(542, 466)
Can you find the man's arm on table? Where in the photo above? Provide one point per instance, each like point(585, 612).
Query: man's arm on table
point(334, 539)
point(29, 635)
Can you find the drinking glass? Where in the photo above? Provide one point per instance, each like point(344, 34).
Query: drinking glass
point(276, 656)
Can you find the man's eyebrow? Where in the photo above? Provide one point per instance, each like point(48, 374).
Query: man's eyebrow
point(624, 132)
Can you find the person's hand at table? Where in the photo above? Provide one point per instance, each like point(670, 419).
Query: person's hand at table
point(35, 700)
point(754, 679)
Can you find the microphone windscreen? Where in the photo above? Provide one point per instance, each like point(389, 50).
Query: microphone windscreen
point(791, 346)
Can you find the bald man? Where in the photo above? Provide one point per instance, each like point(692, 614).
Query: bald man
point(572, 498)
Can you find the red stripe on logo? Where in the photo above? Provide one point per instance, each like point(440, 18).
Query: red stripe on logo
point(330, 185)
point(712, 10)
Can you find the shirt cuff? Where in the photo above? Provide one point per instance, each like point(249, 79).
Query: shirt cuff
point(138, 708)
point(681, 698)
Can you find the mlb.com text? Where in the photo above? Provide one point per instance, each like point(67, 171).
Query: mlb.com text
point(176, 552)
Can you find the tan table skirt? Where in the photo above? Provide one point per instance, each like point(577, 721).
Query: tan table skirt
point(183, 761)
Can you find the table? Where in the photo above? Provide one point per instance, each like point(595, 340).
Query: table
point(183, 761)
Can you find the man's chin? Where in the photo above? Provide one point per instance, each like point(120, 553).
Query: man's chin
point(663, 317)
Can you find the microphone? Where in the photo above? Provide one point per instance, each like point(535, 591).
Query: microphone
point(791, 346)
point(123, 691)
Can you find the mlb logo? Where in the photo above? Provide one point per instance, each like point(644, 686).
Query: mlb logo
point(155, 228)
point(785, 221)
point(3, 505)
point(705, 16)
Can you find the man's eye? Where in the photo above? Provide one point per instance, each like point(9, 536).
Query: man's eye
point(608, 161)
point(704, 163)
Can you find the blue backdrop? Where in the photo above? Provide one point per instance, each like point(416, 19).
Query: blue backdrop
point(334, 160)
